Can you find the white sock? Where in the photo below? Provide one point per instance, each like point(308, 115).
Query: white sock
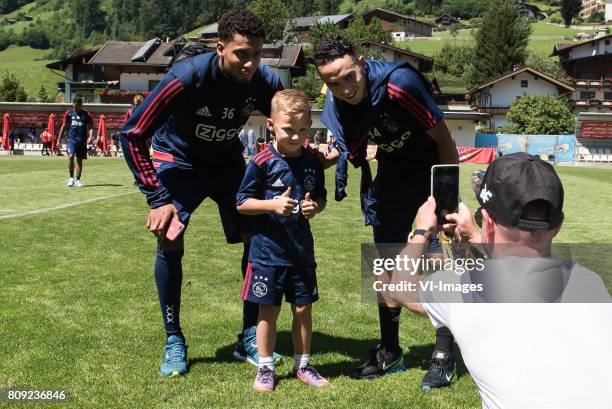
point(300, 360)
point(266, 361)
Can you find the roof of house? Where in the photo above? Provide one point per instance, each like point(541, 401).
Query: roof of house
point(122, 53)
point(396, 49)
point(446, 16)
point(81, 55)
point(513, 73)
point(397, 16)
point(210, 29)
point(563, 48)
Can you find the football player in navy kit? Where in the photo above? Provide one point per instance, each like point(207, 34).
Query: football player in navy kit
point(78, 124)
point(195, 115)
point(391, 105)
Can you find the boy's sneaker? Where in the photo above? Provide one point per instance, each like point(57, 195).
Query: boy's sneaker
point(175, 357)
point(70, 182)
point(381, 362)
point(265, 380)
point(78, 183)
point(310, 376)
point(440, 373)
point(246, 350)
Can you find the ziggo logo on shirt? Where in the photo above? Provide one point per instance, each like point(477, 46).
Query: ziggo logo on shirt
point(210, 133)
point(398, 143)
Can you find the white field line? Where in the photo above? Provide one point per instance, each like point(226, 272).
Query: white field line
point(64, 206)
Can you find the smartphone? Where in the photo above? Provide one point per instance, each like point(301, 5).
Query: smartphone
point(445, 189)
point(175, 229)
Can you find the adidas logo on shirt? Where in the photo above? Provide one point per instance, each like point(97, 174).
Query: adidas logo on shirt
point(278, 183)
point(203, 111)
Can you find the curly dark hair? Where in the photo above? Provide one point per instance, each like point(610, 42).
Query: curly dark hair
point(240, 22)
point(331, 48)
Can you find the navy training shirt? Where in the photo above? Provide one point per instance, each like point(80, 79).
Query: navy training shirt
point(282, 240)
point(76, 123)
point(400, 131)
point(194, 115)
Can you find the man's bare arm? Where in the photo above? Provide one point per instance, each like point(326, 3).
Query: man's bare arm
point(447, 149)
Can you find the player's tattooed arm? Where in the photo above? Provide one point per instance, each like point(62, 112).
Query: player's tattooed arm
point(447, 150)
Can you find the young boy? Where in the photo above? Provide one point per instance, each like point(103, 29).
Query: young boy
point(284, 188)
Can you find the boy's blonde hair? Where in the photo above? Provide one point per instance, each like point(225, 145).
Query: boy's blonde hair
point(292, 102)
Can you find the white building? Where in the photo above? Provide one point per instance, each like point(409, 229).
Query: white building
point(496, 97)
point(608, 10)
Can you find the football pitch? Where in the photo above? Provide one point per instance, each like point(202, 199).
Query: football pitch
point(80, 311)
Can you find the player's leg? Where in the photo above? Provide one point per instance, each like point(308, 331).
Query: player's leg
point(237, 229)
point(442, 364)
point(263, 286)
point(78, 170)
point(185, 187)
point(80, 152)
point(301, 291)
point(168, 279)
point(71, 152)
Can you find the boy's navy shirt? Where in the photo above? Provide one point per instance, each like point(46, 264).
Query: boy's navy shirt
point(195, 115)
point(396, 115)
point(76, 122)
point(282, 240)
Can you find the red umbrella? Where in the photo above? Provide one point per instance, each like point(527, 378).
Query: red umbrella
point(102, 133)
point(5, 133)
point(51, 130)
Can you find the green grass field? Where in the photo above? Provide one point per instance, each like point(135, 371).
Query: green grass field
point(432, 47)
point(28, 65)
point(80, 308)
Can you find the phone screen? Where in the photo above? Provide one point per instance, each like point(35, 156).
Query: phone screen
point(445, 189)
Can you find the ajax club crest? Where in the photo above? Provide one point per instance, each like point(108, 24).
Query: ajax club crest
point(260, 288)
point(309, 180)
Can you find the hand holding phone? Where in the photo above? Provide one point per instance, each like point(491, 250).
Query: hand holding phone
point(445, 190)
point(175, 229)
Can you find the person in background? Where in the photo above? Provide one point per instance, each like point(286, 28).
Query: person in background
point(78, 125)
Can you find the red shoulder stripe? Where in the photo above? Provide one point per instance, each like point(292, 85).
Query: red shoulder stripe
point(263, 157)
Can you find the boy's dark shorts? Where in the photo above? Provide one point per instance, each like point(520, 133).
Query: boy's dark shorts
point(266, 285)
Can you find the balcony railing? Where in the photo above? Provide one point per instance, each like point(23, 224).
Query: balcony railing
point(592, 103)
point(493, 110)
point(600, 82)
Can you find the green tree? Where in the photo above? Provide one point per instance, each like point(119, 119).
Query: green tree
point(453, 59)
point(11, 89)
point(501, 43)
point(357, 31)
point(540, 115)
point(363, 6)
point(88, 16)
point(310, 83)
point(319, 31)
point(42, 95)
point(548, 65)
point(274, 14)
point(569, 10)
point(427, 6)
point(327, 7)
point(466, 8)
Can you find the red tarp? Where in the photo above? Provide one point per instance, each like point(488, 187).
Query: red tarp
point(102, 141)
point(51, 130)
point(476, 155)
point(5, 133)
point(596, 130)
